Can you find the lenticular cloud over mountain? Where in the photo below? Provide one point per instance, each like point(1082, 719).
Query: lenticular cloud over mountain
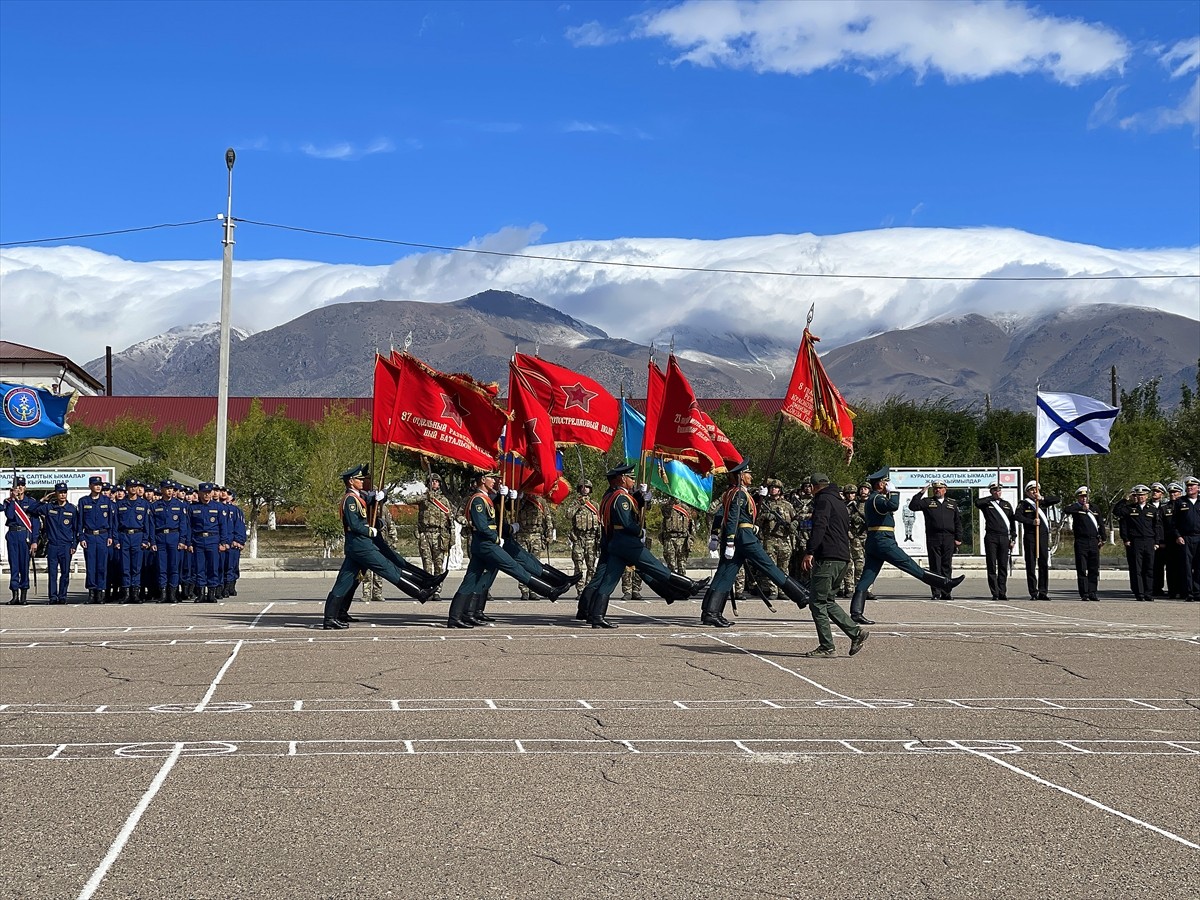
point(75, 301)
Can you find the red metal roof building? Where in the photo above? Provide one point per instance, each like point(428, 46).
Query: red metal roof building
point(192, 414)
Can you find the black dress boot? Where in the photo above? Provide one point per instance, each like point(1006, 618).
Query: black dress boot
point(542, 589)
point(596, 612)
point(858, 604)
point(585, 603)
point(458, 607)
point(475, 611)
point(16, 598)
point(796, 592)
point(24, 601)
point(231, 588)
point(714, 602)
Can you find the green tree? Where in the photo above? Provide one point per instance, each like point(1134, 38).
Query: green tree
point(339, 441)
point(1183, 430)
point(264, 465)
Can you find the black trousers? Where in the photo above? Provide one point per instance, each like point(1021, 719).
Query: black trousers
point(941, 558)
point(1191, 567)
point(1087, 567)
point(996, 549)
point(1037, 567)
point(1140, 554)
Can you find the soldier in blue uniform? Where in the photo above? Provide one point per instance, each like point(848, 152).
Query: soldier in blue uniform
point(736, 536)
point(365, 550)
point(187, 559)
point(881, 547)
point(21, 539)
point(62, 537)
point(133, 536)
point(238, 534)
point(208, 532)
point(97, 529)
point(169, 524)
point(148, 588)
point(487, 558)
point(116, 493)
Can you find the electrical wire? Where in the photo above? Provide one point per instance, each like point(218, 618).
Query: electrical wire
point(666, 268)
point(75, 237)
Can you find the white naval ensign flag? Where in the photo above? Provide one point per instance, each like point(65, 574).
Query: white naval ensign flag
point(1072, 424)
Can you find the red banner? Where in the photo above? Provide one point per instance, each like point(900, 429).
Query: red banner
point(814, 402)
point(530, 434)
point(729, 453)
point(383, 409)
point(581, 411)
point(446, 416)
point(681, 432)
point(654, 393)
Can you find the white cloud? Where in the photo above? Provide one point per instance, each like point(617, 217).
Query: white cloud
point(962, 40)
point(1182, 58)
point(593, 34)
point(344, 150)
point(98, 297)
point(1186, 113)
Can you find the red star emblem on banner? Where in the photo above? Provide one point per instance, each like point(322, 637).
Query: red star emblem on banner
point(578, 395)
point(531, 434)
point(453, 410)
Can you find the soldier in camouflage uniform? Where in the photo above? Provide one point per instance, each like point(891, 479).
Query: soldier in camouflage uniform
point(858, 536)
point(777, 530)
point(678, 526)
point(583, 518)
point(803, 505)
point(435, 524)
point(631, 584)
point(535, 521)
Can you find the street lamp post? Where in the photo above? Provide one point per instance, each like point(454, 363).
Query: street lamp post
point(226, 304)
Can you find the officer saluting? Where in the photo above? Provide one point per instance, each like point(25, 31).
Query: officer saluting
point(97, 529)
point(22, 539)
point(1089, 534)
point(943, 531)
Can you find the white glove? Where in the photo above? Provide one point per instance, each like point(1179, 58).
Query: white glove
point(380, 496)
point(729, 551)
point(504, 490)
point(762, 491)
point(553, 534)
point(713, 544)
point(643, 535)
point(371, 532)
point(515, 527)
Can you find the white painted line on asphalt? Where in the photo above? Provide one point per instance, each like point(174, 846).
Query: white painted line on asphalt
point(212, 688)
point(360, 705)
point(770, 662)
point(1077, 796)
point(254, 624)
point(131, 823)
point(726, 745)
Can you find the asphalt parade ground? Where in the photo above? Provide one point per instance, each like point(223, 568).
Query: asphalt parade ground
point(973, 749)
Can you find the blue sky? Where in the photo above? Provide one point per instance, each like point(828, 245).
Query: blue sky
point(441, 123)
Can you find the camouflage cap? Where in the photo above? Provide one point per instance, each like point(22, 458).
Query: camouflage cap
point(774, 482)
point(849, 489)
point(586, 483)
point(432, 476)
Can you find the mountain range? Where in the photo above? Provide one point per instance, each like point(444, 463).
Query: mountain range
point(330, 351)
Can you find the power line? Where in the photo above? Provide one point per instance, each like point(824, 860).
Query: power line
point(76, 237)
point(666, 268)
point(416, 245)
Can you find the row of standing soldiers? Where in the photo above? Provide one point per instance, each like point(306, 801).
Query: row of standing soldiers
point(139, 543)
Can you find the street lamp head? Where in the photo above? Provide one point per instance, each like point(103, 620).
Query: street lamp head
point(230, 156)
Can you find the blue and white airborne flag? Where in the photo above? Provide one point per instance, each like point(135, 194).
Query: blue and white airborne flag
point(31, 413)
point(1072, 425)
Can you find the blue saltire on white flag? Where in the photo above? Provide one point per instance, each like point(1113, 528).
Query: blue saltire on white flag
point(1072, 425)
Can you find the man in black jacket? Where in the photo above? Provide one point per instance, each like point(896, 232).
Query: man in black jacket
point(825, 560)
point(1031, 513)
point(943, 531)
point(1185, 512)
point(999, 536)
point(1142, 534)
point(1087, 527)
